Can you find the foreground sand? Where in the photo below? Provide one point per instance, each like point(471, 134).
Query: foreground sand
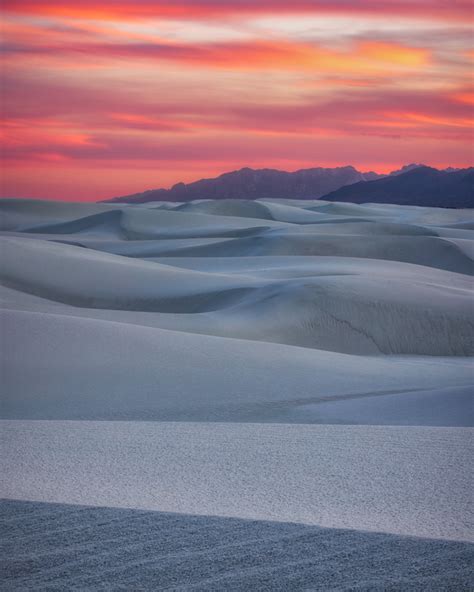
point(223, 335)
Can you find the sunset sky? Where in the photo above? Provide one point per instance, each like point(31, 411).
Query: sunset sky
point(107, 98)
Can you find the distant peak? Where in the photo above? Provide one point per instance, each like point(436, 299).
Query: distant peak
point(179, 185)
point(407, 167)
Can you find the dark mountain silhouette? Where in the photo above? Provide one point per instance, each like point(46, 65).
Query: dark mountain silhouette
point(420, 186)
point(249, 183)
point(413, 184)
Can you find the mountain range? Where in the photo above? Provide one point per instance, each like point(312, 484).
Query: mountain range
point(413, 184)
point(420, 186)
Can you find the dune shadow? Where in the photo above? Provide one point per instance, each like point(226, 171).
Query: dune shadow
point(48, 546)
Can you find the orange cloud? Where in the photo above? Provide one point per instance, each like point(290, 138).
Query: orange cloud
point(464, 97)
point(395, 54)
point(363, 58)
point(438, 121)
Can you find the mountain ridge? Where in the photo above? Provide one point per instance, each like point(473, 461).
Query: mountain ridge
point(420, 186)
point(312, 183)
point(248, 183)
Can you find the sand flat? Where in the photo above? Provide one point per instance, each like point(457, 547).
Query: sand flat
point(402, 480)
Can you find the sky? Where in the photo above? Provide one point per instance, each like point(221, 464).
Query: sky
point(101, 99)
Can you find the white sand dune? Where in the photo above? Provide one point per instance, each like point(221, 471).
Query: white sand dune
point(17, 214)
point(451, 406)
point(281, 379)
point(146, 224)
point(368, 288)
point(422, 250)
point(331, 313)
point(359, 307)
point(111, 370)
point(76, 276)
point(307, 266)
point(229, 207)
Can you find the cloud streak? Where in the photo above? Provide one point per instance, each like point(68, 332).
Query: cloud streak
point(364, 57)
